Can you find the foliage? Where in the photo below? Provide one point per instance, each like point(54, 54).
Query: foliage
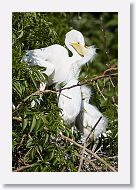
point(37, 143)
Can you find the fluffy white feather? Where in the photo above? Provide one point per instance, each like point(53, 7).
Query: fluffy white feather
point(70, 102)
point(60, 66)
point(89, 115)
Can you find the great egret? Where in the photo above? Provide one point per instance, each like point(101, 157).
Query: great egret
point(70, 102)
point(89, 116)
point(60, 66)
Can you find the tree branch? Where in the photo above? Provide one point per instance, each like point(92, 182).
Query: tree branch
point(82, 157)
point(89, 161)
point(90, 152)
point(38, 92)
point(21, 142)
point(17, 119)
point(110, 70)
point(22, 168)
point(100, 91)
point(91, 80)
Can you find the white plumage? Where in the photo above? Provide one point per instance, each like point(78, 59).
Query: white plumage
point(70, 102)
point(86, 93)
point(89, 115)
point(60, 66)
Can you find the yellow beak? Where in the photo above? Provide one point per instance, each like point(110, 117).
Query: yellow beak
point(81, 50)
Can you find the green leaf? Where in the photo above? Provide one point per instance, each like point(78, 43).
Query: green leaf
point(39, 76)
point(25, 122)
point(20, 35)
point(33, 153)
point(40, 148)
point(17, 88)
point(38, 123)
point(29, 143)
point(33, 80)
point(33, 123)
point(44, 118)
point(36, 168)
point(46, 138)
point(51, 154)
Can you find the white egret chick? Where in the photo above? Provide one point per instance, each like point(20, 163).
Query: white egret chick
point(70, 102)
point(86, 93)
point(60, 66)
point(89, 116)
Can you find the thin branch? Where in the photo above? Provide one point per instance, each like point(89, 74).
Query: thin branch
point(38, 92)
point(116, 105)
point(89, 161)
point(93, 128)
point(90, 152)
point(91, 80)
point(114, 102)
point(29, 136)
point(100, 91)
point(111, 157)
point(99, 149)
point(110, 70)
point(112, 82)
point(17, 119)
point(22, 168)
point(21, 142)
point(105, 157)
point(82, 157)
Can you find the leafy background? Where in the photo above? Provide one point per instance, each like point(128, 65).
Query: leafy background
point(37, 145)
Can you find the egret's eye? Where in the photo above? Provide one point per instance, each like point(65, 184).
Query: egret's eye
point(78, 42)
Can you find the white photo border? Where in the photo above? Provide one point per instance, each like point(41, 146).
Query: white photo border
point(123, 174)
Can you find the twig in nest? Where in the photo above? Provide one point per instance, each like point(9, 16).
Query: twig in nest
point(90, 152)
point(82, 157)
point(89, 161)
point(112, 82)
point(100, 91)
point(21, 142)
point(23, 168)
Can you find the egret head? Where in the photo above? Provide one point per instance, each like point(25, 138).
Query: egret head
point(75, 42)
